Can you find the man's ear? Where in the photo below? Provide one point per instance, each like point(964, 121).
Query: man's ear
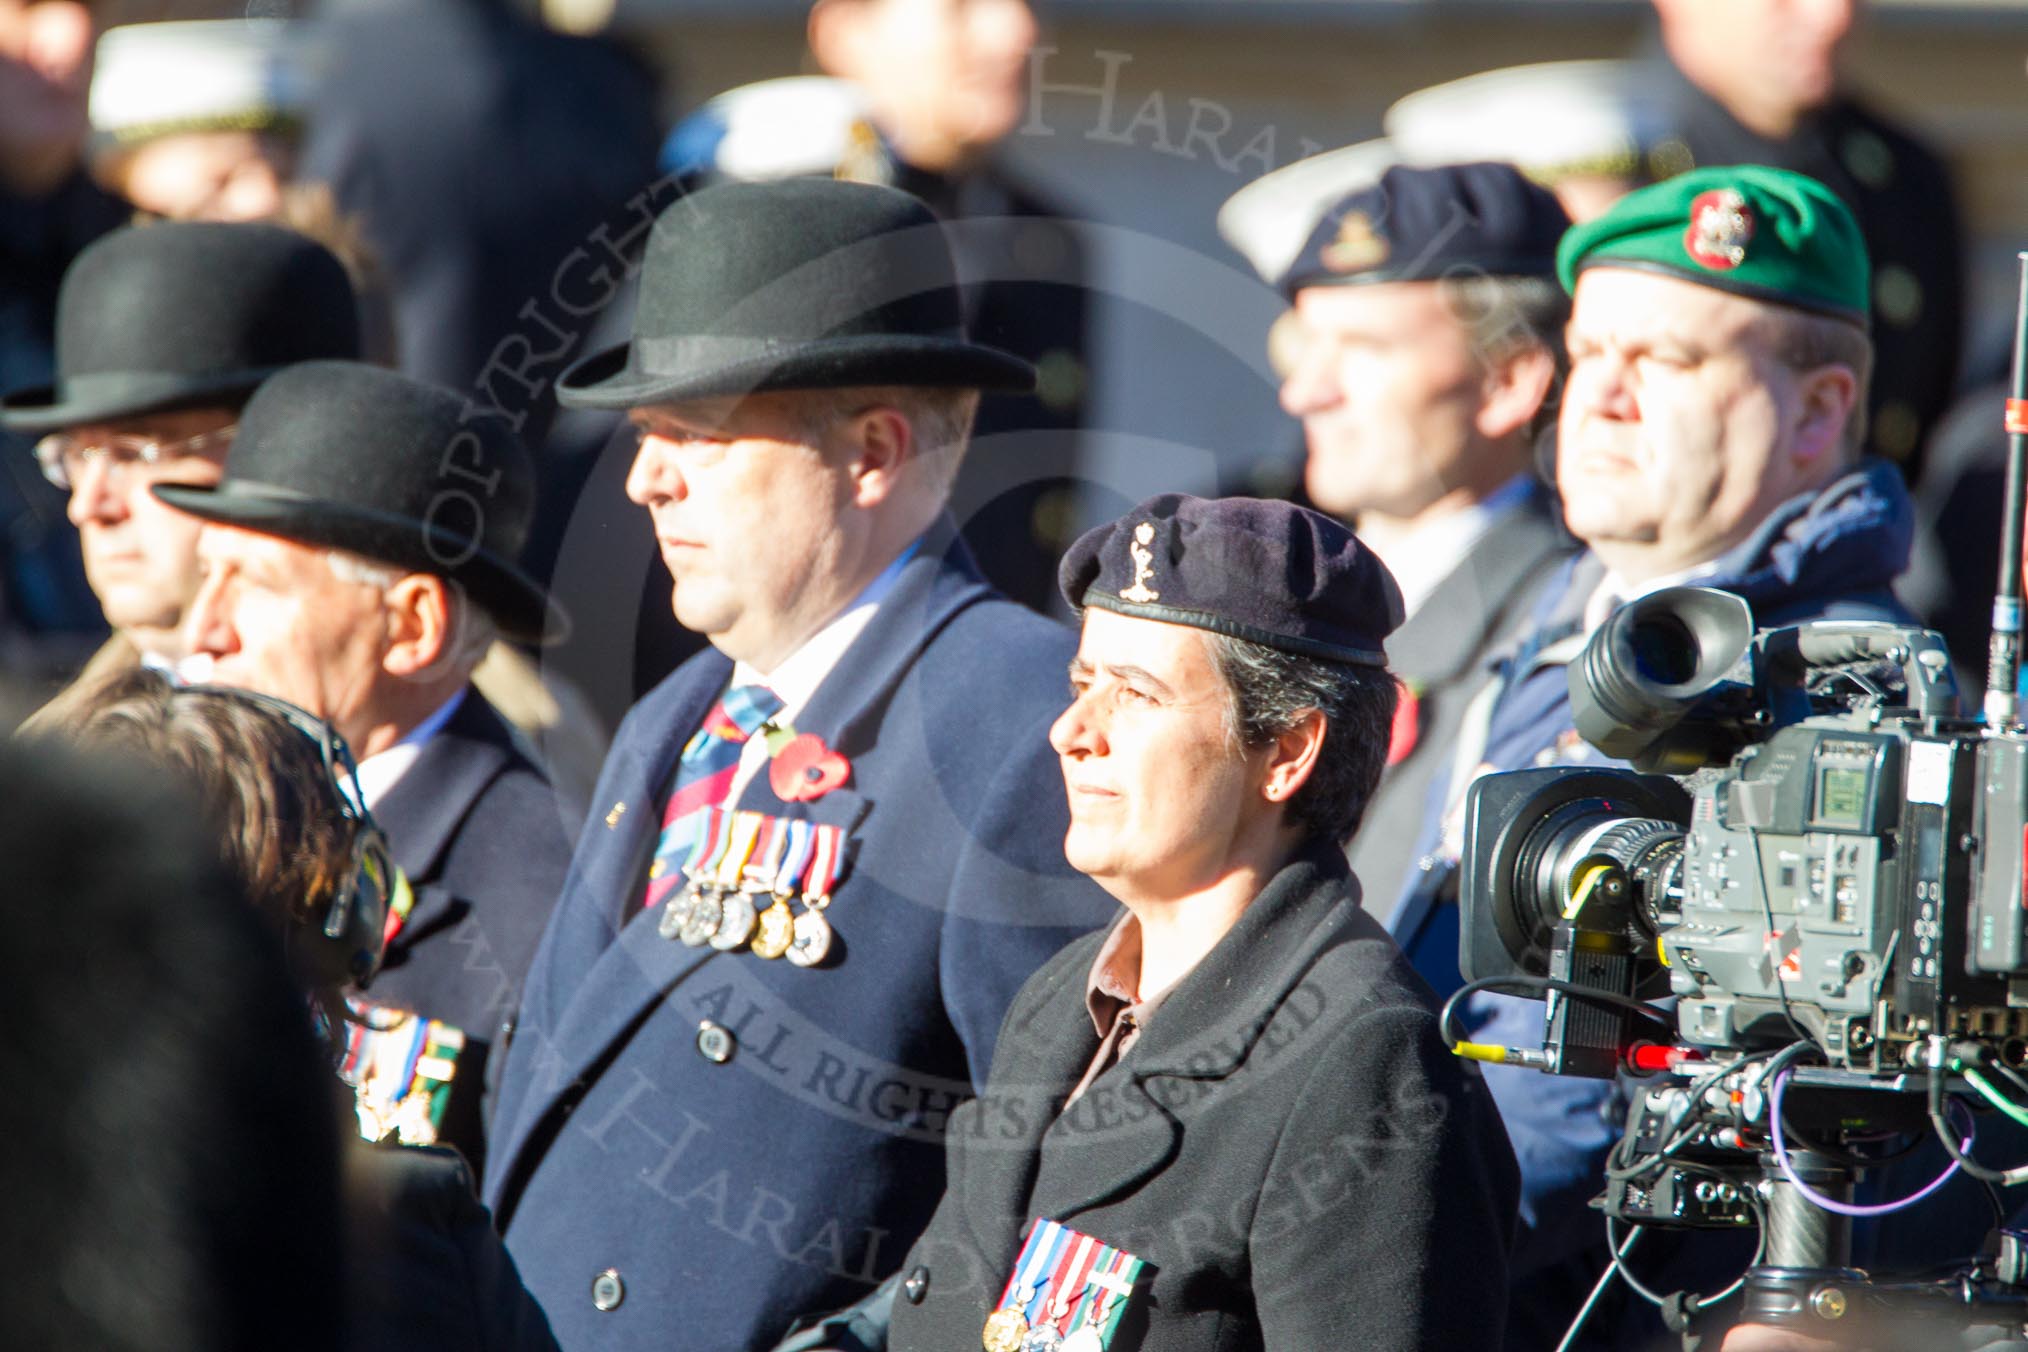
point(837, 35)
point(419, 620)
point(882, 445)
point(1293, 757)
point(1514, 388)
point(1826, 399)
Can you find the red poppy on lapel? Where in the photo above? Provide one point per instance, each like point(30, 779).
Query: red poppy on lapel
point(805, 769)
point(1407, 728)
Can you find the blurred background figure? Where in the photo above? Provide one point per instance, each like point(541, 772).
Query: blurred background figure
point(921, 94)
point(1586, 130)
point(49, 210)
point(1758, 82)
point(277, 792)
point(198, 120)
point(169, 1141)
point(1425, 345)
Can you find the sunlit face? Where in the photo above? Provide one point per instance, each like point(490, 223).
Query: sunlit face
point(1678, 420)
point(952, 72)
point(1387, 386)
point(272, 616)
point(749, 517)
point(140, 554)
point(1159, 792)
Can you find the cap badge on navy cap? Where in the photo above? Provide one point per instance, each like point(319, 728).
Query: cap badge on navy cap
point(1721, 224)
point(1357, 247)
point(1140, 593)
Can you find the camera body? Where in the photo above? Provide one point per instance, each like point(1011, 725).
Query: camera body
point(1845, 868)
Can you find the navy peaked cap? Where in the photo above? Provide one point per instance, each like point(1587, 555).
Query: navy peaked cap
point(1421, 224)
point(1268, 572)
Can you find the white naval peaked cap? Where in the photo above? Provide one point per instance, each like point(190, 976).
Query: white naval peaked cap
point(1268, 220)
point(782, 128)
point(1552, 121)
point(154, 79)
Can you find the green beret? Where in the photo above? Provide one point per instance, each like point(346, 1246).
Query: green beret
point(1769, 234)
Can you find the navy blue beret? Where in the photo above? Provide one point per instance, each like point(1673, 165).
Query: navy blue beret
point(1268, 572)
point(1417, 225)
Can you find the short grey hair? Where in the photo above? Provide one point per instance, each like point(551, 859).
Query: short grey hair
point(1507, 313)
point(1805, 342)
point(473, 630)
point(939, 419)
point(1270, 693)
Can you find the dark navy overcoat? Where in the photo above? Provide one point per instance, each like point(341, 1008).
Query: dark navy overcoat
point(693, 1147)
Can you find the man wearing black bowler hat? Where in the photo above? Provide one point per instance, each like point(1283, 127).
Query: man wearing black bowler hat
point(1229, 1121)
point(163, 332)
point(358, 560)
point(824, 853)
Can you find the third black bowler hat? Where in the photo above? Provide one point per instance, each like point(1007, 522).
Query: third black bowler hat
point(159, 317)
point(797, 284)
point(342, 455)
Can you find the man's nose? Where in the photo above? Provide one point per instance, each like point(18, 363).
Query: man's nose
point(97, 493)
point(654, 476)
point(1310, 385)
point(209, 629)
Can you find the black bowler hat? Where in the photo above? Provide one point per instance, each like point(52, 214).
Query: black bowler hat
point(157, 317)
point(1267, 572)
point(1423, 224)
point(798, 284)
point(341, 455)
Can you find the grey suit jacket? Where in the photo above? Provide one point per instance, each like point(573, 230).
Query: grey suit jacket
point(1443, 653)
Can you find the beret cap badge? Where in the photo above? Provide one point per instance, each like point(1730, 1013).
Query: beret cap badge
point(1721, 224)
point(1140, 593)
point(1357, 247)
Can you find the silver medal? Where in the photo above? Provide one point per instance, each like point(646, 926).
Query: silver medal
point(675, 913)
point(812, 941)
point(736, 925)
point(702, 922)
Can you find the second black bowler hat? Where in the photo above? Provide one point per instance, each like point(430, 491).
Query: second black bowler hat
point(158, 317)
point(341, 455)
point(797, 284)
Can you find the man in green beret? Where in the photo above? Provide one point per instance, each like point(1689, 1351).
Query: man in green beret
point(1710, 434)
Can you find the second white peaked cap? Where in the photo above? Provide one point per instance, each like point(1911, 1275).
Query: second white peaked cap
point(152, 79)
point(1552, 121)
point(1268, 220)
point(781, 128)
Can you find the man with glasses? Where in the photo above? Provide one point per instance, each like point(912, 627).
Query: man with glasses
point(163, 332)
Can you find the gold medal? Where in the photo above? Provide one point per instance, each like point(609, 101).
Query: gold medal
point(1004, 1331)
point(776, 929)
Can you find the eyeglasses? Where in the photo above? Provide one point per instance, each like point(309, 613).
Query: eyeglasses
point(64, 455)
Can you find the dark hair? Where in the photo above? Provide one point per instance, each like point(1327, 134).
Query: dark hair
point(267, 798)
point(170, 1130)
point(1272, 691)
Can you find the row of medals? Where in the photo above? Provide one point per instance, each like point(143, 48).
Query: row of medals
point(730, 919)
point(1007, 1330)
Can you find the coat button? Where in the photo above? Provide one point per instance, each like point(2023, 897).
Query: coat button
point(715, 1043)
point(917, 1285)
point(608, 1290)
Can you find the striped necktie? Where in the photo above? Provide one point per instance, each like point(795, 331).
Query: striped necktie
point(704, 776)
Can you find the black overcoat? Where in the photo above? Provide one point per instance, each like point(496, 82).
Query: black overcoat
point(1288, 1145)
